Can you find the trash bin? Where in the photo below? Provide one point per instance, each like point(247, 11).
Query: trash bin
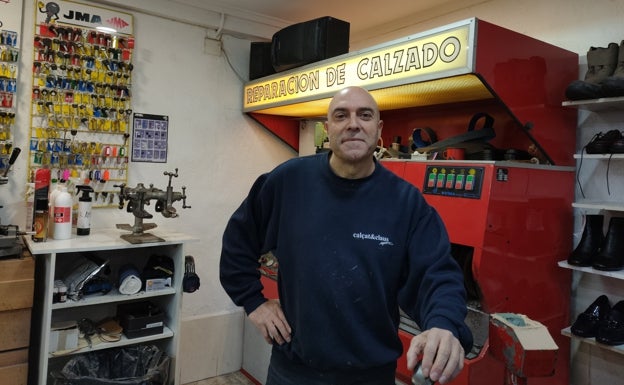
point(136, 365)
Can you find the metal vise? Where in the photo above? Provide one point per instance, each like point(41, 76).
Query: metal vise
point(139, 197)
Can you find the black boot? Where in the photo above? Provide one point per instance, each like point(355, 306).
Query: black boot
point(613, 85)
point(611, 255)
point(591, 240)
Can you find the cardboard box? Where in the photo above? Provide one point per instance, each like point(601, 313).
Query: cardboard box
point(154, 284)
point(64, 336)
point(140, 319)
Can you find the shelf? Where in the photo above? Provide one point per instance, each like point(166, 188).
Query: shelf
point(612, 274)
point(167, 333)
point(599, 156)
point(592, 341)
point(599, 205)
point(111, 297)
point(602, 104)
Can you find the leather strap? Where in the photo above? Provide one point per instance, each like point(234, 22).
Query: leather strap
point(484, 134)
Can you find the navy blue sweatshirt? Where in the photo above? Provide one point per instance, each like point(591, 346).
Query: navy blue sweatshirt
point(350, 253)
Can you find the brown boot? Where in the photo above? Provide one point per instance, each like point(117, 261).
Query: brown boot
point(613, 85)
point(601, 63)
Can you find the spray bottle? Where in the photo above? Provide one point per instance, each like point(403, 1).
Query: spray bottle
point(83, 226)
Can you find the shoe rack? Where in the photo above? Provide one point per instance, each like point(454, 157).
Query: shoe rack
point(600, 187)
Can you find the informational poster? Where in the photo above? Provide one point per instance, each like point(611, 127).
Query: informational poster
point(150, 138)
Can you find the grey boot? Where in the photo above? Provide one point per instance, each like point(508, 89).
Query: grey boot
point(601, 63)
point(613, 85)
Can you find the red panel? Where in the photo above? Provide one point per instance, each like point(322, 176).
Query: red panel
point(270, 287)
point(285, 128)
point(530, 77)
point(396, 167)
point(464, 218)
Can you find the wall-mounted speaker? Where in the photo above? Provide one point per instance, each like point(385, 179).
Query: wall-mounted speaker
point(309, 42)
point(260, 60)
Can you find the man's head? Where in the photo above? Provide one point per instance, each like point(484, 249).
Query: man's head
point(353, 126)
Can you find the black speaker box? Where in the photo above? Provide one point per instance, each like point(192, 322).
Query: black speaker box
point(309, 42)
point(260, 60)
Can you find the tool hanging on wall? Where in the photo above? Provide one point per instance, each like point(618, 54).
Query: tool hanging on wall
point(190, 283)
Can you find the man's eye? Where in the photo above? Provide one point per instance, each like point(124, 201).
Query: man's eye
point(366, 115)
point(339, 116)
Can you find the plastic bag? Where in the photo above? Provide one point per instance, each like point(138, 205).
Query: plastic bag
point(137, 365)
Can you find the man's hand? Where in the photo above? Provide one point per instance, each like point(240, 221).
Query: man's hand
point(271, 322)
point(442, 355)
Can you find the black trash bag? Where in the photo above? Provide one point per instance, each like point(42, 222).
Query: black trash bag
point(137, 365)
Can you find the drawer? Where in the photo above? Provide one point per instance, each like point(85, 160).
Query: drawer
point(17, 282)
point(15, 330)
point(14, 367)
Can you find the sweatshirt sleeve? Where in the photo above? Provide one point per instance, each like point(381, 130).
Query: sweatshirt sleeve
point(433, 293)
point(241, 249)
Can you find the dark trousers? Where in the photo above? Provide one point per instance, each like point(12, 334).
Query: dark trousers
point(283, 371)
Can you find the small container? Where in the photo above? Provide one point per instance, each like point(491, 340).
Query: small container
point(40, 220)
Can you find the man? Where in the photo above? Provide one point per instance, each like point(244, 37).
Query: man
point(354, 243)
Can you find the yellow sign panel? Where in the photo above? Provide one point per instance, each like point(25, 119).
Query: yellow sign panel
point(411, 60)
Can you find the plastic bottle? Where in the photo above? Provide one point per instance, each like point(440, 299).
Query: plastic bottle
point(83, 225)
point(63, 214)
point(53, 194)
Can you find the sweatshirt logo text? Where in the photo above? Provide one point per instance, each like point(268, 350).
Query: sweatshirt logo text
point(383, 241)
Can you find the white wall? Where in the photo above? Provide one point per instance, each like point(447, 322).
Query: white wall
point(219, 151)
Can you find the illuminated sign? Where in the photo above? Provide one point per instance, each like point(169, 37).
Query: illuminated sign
point(417, 58)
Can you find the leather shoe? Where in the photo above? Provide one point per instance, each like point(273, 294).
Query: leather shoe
point(601, 143)
point(611, 329)
point(588, 322)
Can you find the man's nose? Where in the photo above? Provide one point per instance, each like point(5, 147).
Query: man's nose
point(354, 122)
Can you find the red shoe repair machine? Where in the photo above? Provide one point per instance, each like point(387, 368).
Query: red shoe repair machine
point(508, 206)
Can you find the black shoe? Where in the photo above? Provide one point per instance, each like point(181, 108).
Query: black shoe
point(611, 329)
point(588, 322)
point(601, 143)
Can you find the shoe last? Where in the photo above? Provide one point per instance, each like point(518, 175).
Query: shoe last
point(588, 322)
point(611, 329)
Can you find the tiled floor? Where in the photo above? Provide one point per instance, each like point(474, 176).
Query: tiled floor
point(229, 379)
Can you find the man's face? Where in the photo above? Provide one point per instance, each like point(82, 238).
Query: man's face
point(353, 125)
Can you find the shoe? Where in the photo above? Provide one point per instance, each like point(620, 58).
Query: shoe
point(611, 329)
point(611, 256)
point(617, 147)
point(601, 143)
point(588, 322)
point(591, 240)
point(613, 85)
point(601, 63)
